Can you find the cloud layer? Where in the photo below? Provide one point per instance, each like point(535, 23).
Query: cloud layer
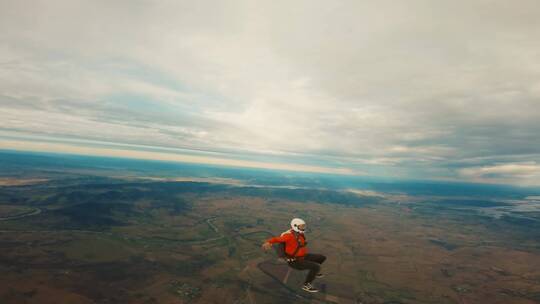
point(418, 89)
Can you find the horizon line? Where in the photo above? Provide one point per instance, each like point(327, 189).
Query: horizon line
point(79, 149)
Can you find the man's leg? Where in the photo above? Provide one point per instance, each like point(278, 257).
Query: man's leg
point(317, 258)
point(304, 264)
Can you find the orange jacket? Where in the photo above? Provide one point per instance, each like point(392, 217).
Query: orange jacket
point(289, 239)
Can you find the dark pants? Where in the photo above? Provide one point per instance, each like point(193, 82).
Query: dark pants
point(311, 262)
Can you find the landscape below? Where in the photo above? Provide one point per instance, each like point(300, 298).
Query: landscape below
point(98, 230)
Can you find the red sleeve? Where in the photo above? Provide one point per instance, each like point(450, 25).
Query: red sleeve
point(280, 239)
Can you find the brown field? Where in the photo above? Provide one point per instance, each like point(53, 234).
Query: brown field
point(379, 253)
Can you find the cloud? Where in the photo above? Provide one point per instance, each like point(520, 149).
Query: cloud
point(175, 157)
point(411, 89)
point(525, 174)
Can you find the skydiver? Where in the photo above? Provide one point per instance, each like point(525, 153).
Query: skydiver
point(296, 253)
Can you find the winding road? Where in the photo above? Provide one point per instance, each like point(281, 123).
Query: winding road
point(36, 211)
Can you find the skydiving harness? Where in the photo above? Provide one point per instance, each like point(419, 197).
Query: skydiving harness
point(283, 253)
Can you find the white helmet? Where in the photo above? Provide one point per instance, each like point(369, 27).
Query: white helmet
point(297, 222)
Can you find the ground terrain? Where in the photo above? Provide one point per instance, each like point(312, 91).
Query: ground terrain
point(82, 238)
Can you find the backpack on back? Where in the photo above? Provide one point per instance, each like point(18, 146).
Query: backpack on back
point(280, 247)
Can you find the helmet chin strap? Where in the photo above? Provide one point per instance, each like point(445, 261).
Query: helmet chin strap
point(297, 229)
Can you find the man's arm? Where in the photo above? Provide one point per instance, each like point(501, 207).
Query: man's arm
point(278, 239)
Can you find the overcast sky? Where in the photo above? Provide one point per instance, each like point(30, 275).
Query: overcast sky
point(411, 89)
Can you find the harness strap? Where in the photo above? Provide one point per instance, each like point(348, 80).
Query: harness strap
point(298, 246)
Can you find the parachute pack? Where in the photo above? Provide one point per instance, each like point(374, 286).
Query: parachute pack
point(280, 247)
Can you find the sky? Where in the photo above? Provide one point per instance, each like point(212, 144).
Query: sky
point(443, 90)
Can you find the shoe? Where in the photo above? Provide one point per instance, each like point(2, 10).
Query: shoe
point(319, 275)
point(309, 288)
